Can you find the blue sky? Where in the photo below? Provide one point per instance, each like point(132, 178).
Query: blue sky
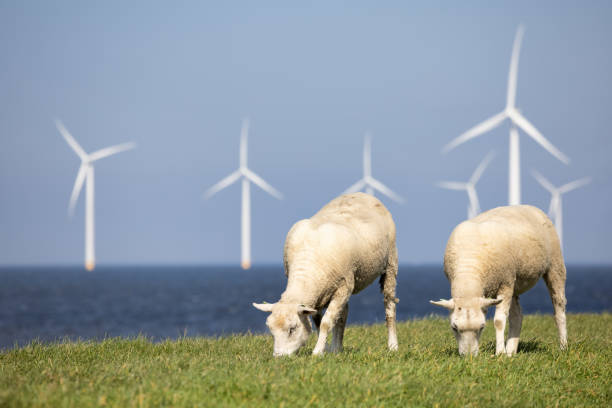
point(177, 78)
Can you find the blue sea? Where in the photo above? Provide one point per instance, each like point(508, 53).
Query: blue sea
point(54, 303)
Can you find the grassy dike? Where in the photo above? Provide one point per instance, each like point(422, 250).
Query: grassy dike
point(240, 370)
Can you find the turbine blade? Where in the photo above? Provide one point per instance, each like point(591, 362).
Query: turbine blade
point(109, 151)
point(355, 187)
point(513, 73)
point(452, 185)
point(76, 189)
point(544, 182)
point(222, 184)
point(262, 184)
point(477, 130)
point(70, 140)
point(244, 136)
point(367, 155)
point(574, 185)
point(377, 185)
point(481, 168)
point(535, 134)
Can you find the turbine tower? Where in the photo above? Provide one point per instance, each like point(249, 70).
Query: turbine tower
point(86, 175)
point(470, 187)
point(517, 121)
point(367, 181)
point(555, 210)
point(247, 176)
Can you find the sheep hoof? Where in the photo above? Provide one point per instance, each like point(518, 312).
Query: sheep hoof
point(317, 352)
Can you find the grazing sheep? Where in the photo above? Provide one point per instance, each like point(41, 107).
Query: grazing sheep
point(339, 251)
point(501, 253)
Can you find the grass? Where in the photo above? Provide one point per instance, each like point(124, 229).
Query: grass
point(240, 370)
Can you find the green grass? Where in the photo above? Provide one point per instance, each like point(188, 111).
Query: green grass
point(240, 370)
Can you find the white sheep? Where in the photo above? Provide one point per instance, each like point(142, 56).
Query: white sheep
point(339, 251)
point(501, 254)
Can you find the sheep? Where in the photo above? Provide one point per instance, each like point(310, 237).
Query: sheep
point(341, 250)
point(501, 254)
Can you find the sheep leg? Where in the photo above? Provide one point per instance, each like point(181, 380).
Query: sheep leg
point(555, 281)
point(388, 283)
point(338, 331)
point(501, 315)
point(333, 312)
point(514, 328)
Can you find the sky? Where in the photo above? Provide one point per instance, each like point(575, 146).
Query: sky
point(177, 78)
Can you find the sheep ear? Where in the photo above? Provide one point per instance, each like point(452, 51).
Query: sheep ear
point(486, 302)
point(447, 304)
point(306, 310)
point(264, 307)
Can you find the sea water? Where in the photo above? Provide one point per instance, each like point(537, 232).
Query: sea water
point(51, 303)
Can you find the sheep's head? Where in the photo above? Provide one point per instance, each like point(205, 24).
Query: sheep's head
point(289, 325)
point(467, 320)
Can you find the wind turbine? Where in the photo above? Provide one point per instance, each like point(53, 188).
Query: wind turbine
point(517, 121)
point(470, 186)
point(86, 175)
point(247, 176)
point(367, 181)
point(555, 210)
